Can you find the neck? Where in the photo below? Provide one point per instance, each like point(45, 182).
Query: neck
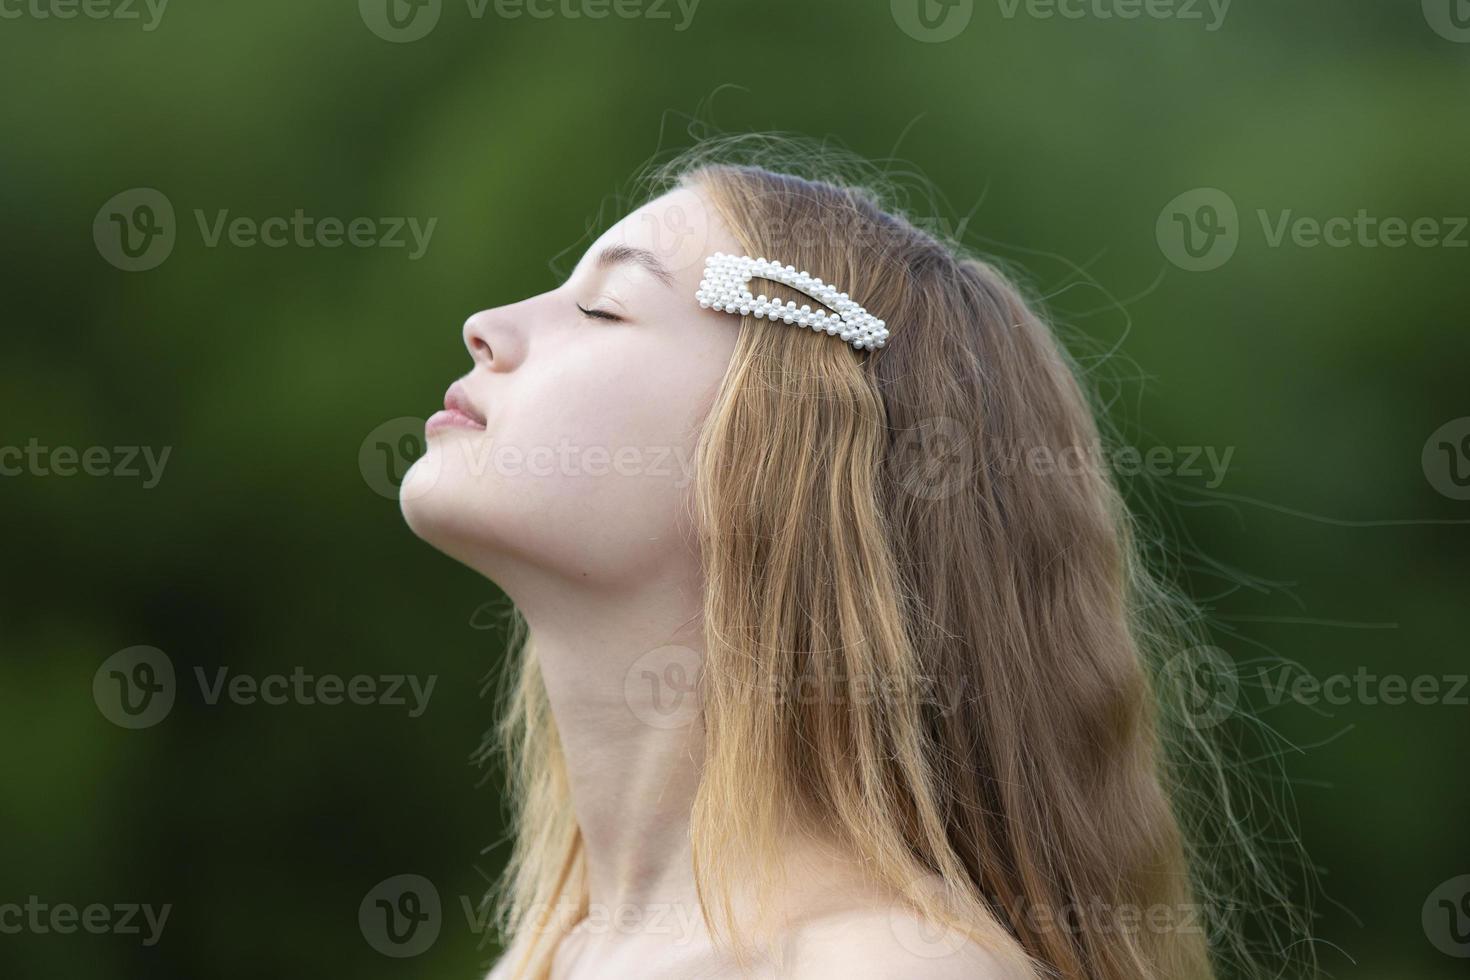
point(619, 669)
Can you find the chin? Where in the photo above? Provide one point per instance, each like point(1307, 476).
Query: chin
point(473, 520)
point(587, 532)
point(437, 508)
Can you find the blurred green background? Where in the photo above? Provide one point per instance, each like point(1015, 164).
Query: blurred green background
point(1334, 374)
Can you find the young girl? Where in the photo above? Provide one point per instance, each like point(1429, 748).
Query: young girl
point(836, 643)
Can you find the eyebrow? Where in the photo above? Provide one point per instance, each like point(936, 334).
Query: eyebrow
point(614, 254)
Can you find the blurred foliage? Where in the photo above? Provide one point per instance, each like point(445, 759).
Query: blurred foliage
point(264, 548)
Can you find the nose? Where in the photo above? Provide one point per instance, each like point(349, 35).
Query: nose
point(491, 339)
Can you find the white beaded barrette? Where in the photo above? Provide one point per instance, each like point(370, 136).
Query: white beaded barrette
point(726, 287)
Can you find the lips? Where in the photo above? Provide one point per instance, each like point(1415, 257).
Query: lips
point(459, 412)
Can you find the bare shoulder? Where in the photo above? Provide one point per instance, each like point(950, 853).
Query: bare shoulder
point(504, 967)
point(889, 944)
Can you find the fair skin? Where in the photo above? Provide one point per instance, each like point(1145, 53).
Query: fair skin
point(562, 473)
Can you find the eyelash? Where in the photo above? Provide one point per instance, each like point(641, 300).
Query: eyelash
point(597, 314)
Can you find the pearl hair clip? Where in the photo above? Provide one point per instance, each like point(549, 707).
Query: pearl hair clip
point(726, 287)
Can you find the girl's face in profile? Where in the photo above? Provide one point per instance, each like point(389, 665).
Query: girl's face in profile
point(568, 446)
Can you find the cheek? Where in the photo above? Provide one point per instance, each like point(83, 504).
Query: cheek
point(601, 448)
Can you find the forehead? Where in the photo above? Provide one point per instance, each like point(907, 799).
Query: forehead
point(679, 228)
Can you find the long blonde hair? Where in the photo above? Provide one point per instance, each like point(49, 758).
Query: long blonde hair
point(924, 521)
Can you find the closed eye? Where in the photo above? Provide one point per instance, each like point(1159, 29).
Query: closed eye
point(598, 314)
